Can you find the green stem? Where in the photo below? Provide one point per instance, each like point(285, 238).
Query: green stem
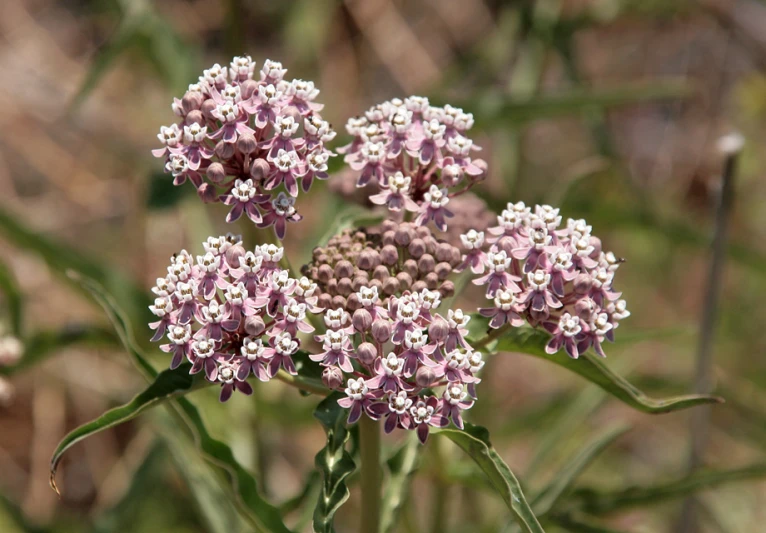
point(492, 335)
point(303, 383)
point(369, 450)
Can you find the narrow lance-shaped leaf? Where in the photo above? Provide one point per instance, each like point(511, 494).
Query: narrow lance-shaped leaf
point(241, 483)
point(598, 502)
point(334, 462)
point(401, 468)
point(474, 440)
point(168, 384)
point(564, 479)
point(530, 341)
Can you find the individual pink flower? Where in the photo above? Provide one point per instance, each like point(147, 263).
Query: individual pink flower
point(425, 414)
point(434, 208)
point(395, 194)
point(244, 198)
point(281, 211)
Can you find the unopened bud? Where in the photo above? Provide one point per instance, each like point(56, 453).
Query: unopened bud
point(584, 308)
point(438, 330)
point(195, 117)
point(389, 254)
point(381, 330)
point(367, 352)
point(417, 248)
point(403, 235)
point(425, 376)
point(596, 243)
point(207, 108)
point(254, 325)
point(426, 264)
point(344, 269)
point(246, 143)
point(483, 167)
point(233, 255)
point(215, 172)
point(191, 101)
point(332, 377)
point(260, 169)
point(447, 289)
point(207, 193)
point(247, 88)
point(224, 150)
point(583, 283)
point(362, 320)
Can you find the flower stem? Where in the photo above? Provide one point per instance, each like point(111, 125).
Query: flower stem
point(369, 450)
point(303, 383)
point(492, 335)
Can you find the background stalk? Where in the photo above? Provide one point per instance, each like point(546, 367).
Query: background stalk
point(371, 478)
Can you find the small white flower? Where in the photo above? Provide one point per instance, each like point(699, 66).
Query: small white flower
point(416, 104)
point(215, 75)
point(270, 252)
point(356, 388)
point(236, 294)
point(539, 279)
point(250, 263)
point(162, 307)
point(433, 130)
point(284, 344)
point(252, 349)
point(415, 339)
point(227, 112)
point(269, 95)
point(335, 340)
point(241, 67)
point(499, 261)
point(232, 93)
point(475, 362)
point(368, 296)
point(186, 291)
point(457, 319)
point(203, 348)
point(373, 152)
point(548, 215)
point(436, 197)
point(170, 135)
point(407, 311)
point(421, 412)
point(473, 240)
point(163, 287)
point(336, 318)
point(305, 287)
point(294, 311)
point(459, 145)
point(393, 365)
point(213, 313)
point(243, 191)
point(286, 161)
point(209, 263)
point(399, 403)
point(504, 300)
point(272, 70)
point(600, 324)
point(570, 325)
point(179, 334)
point(429, 299)
point(455, 393)
point(177, 165)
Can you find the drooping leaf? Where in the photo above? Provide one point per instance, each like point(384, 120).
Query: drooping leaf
point(474, 440)
point(564, 479)
point(44, 344)
point(531, 341)
point(333, 461)
point(240, 482)
point(169, 383)
point(598, 502)
point(401, 468)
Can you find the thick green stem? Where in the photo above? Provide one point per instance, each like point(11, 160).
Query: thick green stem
point(369, 450)
point(492, 335)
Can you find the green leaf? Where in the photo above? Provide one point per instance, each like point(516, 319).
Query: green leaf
point(44, 344)
point(581, 524)
point(10, 290)
point(240, 482)
point(333, 461)
point(563, 480)
point(168, 384)
point(597, 502)
point(474, 440)
point(401, 468)
point(531, 341)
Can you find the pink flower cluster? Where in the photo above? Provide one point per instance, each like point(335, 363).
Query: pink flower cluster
point(240, 141)
point(232, 313)
point(538, 272)
point(404, 355)
point(416, 154)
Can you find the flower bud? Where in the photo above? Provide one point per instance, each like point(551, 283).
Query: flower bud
point(389, 254)
point(596, 243)
point(417, 248)
point(483, 167)
point(381, 273)
point(388, 237)
point(411, 267)
point(353, 303)
point(362, 320)
point(403, 235)
point(418, 286)
point(324, 273)
point(583, 283)
point(432, 280)
point(224, 150)
point(291, 111)
point(584, 308)
point(438, 329)
point(447, 289)
point(207, 108)
point(260, 169)
point(366, 260)
point(325, 301)
point(405, 280)
point(344, 269)
point(443, 251)
point(246, 143)
point(344, 286)
point(381, 330)
point(367, 352)
point(390, 286)
point(207, 193)
point(425, 376)
point(233, 255)
point(332, 377)
point(191, 101)
point(426, 264)
point(247, 88)
point(338, 302)
point(215, 172)
point(388, 225)
point(442, 270)
point(195, 117)
point(254, 325)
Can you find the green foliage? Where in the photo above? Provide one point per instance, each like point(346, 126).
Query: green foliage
point(333, 461)
point(531, 341)
point(474, 440)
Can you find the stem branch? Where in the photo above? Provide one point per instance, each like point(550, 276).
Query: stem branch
point(369, 450)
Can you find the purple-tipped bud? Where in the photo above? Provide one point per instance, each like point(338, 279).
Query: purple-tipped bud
point(596, 243)
point(324, 273)
point(381, 330)
point(207, 193)
point(338, 302)
point(417, 248)
point(432, 280)
point(411, 267)
point(215, 172)
point(344, 269)
point(389, 255)
point(388, 225)
point(224, 150)
point(405, 280)
point(438, 330)
point(483, 167)
point(443, 251)
point(442, 270)
point(352, 302)
point(367, 352)
point(447, 289)
point(254, 325)
point(192, 101)
point(426, 264)
point(344, 286)
point(332, 377)
point(425, 376)
point(381, 273)
point(403, 235)
point(233, 254)
point(362, 320)
point(418, 286)
point(584, 308)
point(260, 169)
point(325, 301)
point(366, 260)
point(246, 143)
point(390, 286)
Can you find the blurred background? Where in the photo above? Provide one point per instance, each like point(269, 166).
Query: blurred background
point(610, 109)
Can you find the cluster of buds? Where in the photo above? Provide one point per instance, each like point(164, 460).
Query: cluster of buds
point(232, 313)
point(241, 140)
point(416, 154)
point(391, 258)
point(403, 362)
point(535, 271)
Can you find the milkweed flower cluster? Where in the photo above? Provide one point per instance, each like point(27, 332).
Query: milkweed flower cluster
point(417, 155)
point(411, 367)
point(232, 313)
point(391, 258)
point(248, 142)
point(537, 272)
